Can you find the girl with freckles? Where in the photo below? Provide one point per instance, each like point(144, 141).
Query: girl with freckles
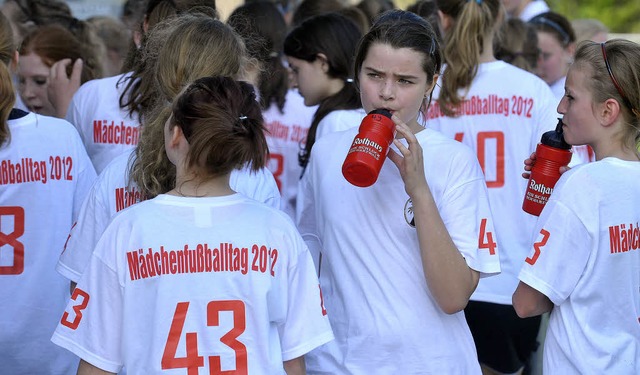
point(399, 258)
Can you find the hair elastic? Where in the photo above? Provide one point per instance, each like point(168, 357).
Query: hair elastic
point(242, 117)
point(477, 1)
point(349, 80)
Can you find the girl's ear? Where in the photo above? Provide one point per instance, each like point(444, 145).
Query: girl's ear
point(429, 89)
point(445, 21)
point(609, 112)
point(176, 135)
point(324, 61)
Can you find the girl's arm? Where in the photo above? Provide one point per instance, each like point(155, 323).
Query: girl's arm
point(295, 366)
point(530, 302)
point(448, 276)
point(86, 368)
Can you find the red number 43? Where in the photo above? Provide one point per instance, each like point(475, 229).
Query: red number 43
point(193, 360)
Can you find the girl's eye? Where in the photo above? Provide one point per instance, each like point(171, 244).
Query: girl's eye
point(404, 81)
point(373, 75)
point(40, 82)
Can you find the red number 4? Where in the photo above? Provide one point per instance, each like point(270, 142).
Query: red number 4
point(192, 361)
point(490, 243)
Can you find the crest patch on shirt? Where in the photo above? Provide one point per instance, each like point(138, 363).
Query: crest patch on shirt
point(408, 213)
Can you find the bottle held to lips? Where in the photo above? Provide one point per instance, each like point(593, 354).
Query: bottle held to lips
point(551, 153)
point(369, 148)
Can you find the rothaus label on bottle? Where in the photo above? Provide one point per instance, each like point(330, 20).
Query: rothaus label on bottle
point(366, 146)
point(540, 187)
point(538, 192)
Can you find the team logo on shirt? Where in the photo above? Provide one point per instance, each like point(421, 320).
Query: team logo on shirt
point(408, 213)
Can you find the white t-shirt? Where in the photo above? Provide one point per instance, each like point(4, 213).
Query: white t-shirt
point(226, 282)
point(111, 193)
point(586, 259)
point(106, 129)
point(503, 123)
point(286, 136)
point(340, 120)
point(45, 174)
point(532, 9)
point(381, 310)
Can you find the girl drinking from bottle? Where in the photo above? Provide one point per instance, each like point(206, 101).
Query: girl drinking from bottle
point(399, 258)
point(478, 104)
point(584, 266)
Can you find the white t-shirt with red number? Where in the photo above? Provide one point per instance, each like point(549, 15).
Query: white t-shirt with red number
point(45, 174)
point(502, 122)
point(106, 129)
point(382, 313)
point(586, 260)
point(286, 136)
point(112, 193)
point(198, 285)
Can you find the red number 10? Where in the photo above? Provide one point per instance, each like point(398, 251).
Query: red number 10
point(480, 149)
point(192, 361)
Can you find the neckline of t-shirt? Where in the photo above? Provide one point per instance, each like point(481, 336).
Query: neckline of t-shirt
point(190, 201)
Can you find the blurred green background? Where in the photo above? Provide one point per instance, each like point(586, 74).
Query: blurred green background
point(620, 16)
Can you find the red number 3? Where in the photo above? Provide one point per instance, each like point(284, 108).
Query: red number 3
point(192, 361)
point(77, 309)
point(536, 247)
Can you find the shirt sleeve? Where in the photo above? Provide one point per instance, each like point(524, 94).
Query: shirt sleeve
point(84, 235)
point(559, 254)
point(306, 215)
point(466, 213)
point(307, 325)
point(91, 324)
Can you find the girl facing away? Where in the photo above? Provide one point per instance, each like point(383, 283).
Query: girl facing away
point(478, 104)
point(232, 281)
point(146, 171)
point(584, 266)
point(400, 258)
point(45, 175)
point(287, 120)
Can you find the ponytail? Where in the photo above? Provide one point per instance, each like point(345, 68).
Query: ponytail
point(473, 21)
point(347, 98)
point(7, 101)
point(7, 92)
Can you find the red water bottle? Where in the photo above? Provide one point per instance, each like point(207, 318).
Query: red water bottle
point(369, 148)
point(552, 153)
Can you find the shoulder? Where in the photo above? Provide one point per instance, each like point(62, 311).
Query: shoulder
point(100, 84)
point(436, 143)
point(342, 119)
point(446, 156)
